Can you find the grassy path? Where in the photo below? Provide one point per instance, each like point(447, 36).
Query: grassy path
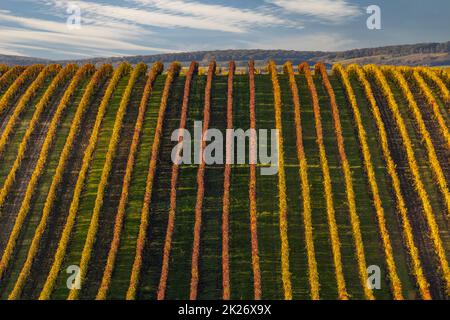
point(349, 262)
point(422, 161)
point(9, 154)
point(179, 277)
point(160, 201)
point(319, 218)
point(210, 261)
point(43, 187)
point(57, 219)
point(123, 113)
point(366, 210)
point(407, 180)
point(121, 275)
point(226, 188)
point(76, 243)
point(387, 196)
point(267, 208)
point(124, 193)
point(296, 233)
point(241, 274)
point(22, 173)
point(112, 193)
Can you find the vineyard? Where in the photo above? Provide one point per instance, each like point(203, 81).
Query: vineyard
point(92, 205)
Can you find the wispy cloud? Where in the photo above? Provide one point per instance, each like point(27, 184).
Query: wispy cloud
point(92, 30)
point(328, 10)
point(126, 27)
point(229, 18)
point(54, 38)
point(175, 14)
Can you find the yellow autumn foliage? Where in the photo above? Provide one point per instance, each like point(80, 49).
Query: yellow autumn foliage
point(354, 218)
point(65, 236)
point(331, 216)
point(107, 274)
point(431, 76)
point(431, 100)
point(29, 73)
point(82, 73)
point(306, 192)
point(416, 266)
point(285, 273)
point(56, 84)
point(137, 263)
point(110, 155)
point(415, 110)
point(24, 101)
point(428, 213)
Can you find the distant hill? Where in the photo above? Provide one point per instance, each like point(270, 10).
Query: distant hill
point(19, 60)
point(430, 54)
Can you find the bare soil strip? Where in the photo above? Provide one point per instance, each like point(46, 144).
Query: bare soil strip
point(419, 225)
point(443, 153)
point(112, 195)
point(17, 193)
point(56, 222)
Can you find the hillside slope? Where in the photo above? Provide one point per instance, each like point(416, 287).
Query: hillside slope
point(88, 183)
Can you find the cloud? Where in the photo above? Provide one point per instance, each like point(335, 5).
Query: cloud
point(11, 52)
point(175, 14)
point(224, 15)
point(122, 31)
point(53, 37)
point(130, 27)
point(127, 27)
point(328, 10)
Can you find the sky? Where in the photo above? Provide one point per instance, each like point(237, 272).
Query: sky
point(50, 29)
